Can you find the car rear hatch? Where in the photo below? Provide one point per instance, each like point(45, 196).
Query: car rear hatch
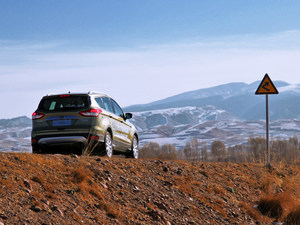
point(62, 114)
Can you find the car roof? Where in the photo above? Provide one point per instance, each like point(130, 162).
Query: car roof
point(78, 93)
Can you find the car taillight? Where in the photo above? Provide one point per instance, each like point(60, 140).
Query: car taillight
point(94, 137)
point(33, 141)
point(91, 112)
point(36, 115)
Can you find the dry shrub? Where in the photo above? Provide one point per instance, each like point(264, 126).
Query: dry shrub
point(276, 207)
point(98, 219)
point(111, 210)
point(218, 190)
point(271, 184)
point(251, 211)
point(79, 175)
point(293, 218)
point(184, 183)
point(219, 209)
point(95, 192)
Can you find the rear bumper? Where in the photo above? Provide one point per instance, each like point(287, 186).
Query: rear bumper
point(69, 140)
point(65, 145)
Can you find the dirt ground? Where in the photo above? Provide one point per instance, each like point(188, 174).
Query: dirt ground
point(64, 189)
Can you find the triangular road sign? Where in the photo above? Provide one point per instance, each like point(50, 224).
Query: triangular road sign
point(266, 87)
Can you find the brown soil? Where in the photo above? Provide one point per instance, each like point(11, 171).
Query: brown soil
point(58, 189)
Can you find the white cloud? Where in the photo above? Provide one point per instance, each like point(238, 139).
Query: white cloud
point(142, 74)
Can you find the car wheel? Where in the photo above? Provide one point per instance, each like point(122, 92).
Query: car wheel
point(134, 153)
point(108, 149)
point(36, 150)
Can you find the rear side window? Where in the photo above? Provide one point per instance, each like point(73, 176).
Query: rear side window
point(64, 103)
point(107, 104)
point(100, 102)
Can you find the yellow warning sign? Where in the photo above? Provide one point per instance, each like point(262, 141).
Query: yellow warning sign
point(266, 87)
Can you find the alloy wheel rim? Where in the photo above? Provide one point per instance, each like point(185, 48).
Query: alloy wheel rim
point(135, 148)
point(108, 146)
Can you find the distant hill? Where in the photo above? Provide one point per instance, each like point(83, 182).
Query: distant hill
point(230, 112)
point(15, 134)
point(238, 99)
point(22, 121)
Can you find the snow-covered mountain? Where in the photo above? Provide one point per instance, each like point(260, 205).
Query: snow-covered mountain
point(179, 125)
point(236, 98)
point(230, 112)
point(15, 134)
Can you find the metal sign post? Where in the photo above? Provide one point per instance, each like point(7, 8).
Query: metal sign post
point(267, 131)
point(267, 87)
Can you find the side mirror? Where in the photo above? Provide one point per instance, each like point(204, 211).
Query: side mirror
point(128, 116)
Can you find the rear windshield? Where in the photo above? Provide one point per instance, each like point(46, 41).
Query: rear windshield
point(64, 103)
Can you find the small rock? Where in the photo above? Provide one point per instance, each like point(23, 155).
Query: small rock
point(165, 169)
point(71, 192)
point(186, 208)
point(123, 178)
point(204, 173)
point(179, 171)
point(45, 201)
point(103, 185)
point(98, 160)
point(55, 208)
point(158, 162)
point(74, 156)
point(167, 183)
point(107, 172)
point(156, 214)
point(136, 188)
point(161, 206)
point(35, 208)
point(3, 216)
point(27, 184)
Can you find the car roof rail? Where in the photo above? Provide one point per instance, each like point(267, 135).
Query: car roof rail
point(97, 92)
point(49, 94)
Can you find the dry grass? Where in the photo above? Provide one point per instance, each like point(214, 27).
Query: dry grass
point(251, 211)
point(73, 184)
point(79, 175)
point(293, 218)
point(276, 207)
point(218, 190)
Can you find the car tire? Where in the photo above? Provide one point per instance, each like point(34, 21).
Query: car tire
point(36, 150)
point(134, 152)
point(107, 149)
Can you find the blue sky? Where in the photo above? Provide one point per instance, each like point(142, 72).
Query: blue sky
point(141, 51)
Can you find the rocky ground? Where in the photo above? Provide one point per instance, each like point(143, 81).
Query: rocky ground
point(58, 189)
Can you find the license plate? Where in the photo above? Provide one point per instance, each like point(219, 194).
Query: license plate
point(57, 123)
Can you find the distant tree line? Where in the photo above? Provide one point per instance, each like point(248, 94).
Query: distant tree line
point(281, 150)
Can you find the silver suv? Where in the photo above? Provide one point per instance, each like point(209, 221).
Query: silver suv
point(83, 123)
